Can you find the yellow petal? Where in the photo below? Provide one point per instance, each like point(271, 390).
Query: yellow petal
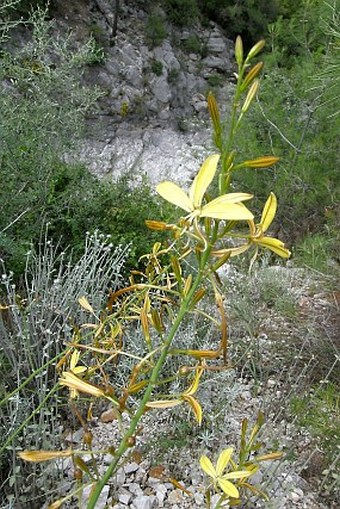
point(233, 251)
point(175, 195)
point(74, 359)
point(36, 456)
point(56, 504)
point(238, 474)
point(79, 369)
point(208, 467)
point(194, 386)
point(233, 197)
point(274, 245)
point(223, 460)
point(197, 409)
point(73, 382)
point(221, 210)
point(228, 488)
point(203, 179)
point(164, 403)
point(85, 304)
point(269, 212)
point(270, 456)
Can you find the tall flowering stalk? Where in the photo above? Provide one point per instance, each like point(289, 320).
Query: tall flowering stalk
point(159, 299)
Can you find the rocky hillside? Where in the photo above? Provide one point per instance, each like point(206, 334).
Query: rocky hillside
point(153, 113)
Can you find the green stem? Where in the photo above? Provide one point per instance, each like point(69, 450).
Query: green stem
point(185, 307)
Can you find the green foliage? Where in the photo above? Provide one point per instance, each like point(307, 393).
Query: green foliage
point(298, 116)
point(155, 29)
point(242, 17)
point(193, 44)
point(319, 411)
point(157, 67)
point(42, 108)
point(182, 12)
point(33, 331)
point(215, 80)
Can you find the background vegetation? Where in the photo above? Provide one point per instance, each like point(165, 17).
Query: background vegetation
point(43, 107)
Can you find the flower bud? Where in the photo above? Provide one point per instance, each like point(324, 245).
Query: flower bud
point(239, 50)
point(255, 50)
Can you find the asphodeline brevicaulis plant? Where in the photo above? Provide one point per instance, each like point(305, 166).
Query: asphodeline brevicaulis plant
point(176, 279)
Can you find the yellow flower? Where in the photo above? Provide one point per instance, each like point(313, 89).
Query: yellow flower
point(227, 206)
point(77, 385)
point(257, 231)
point(75, 370)
point(186, 396)
point(219, 479)
point(37, 456)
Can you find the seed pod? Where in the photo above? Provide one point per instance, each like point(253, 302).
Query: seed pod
point(176, 268)
point(131, 441)
point(78, 474)
point(198, 296)
point(183, 370)
point(87, 438)
point(187, 285)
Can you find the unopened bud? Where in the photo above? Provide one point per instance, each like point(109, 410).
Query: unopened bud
point(131, 441)
point(255, 50)
point(250, 96)
point(88, 437)
point(254, 71)
point(239, 50)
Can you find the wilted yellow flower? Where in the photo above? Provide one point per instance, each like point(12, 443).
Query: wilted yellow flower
point(76, 384)
point(85, 304)
point(227, 206)
point(186, 396)
point(37, 456)
point(222, 480)
point(75, 369)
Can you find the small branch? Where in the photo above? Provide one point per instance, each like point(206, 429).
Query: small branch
point(277, 128)
point(15, 220)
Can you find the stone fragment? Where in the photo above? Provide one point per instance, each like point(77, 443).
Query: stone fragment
point(101, 502)
point(109, 415)
point(145, 502)
point(130, 468)
point(124, 496)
